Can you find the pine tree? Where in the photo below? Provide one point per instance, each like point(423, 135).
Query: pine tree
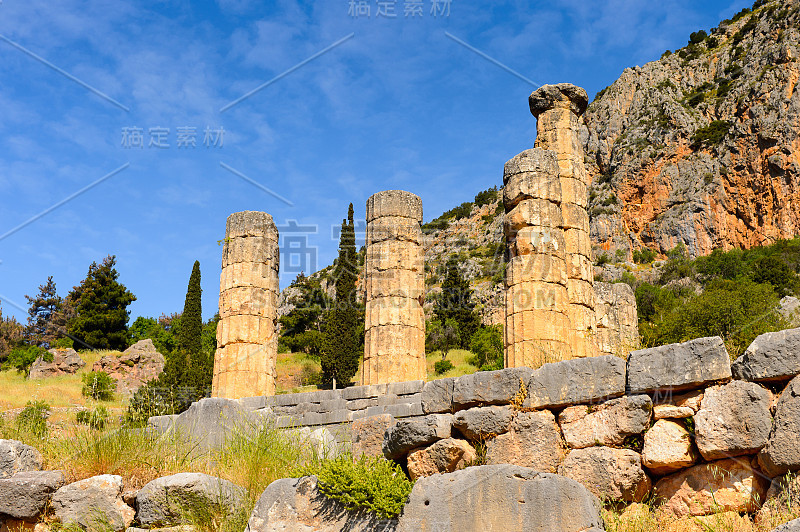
point(342, 343)
point(102, 308)
point(455, 303)
point(42, 310)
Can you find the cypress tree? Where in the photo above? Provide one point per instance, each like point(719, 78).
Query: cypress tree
point(192, 317)
point(455, 303)
point(342, 337)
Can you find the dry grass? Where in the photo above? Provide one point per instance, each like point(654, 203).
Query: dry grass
point(458, 357)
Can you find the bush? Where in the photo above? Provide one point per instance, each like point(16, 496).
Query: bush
point(713, 133)
point(485, 197)
point(697, 37)
point(487, 344)
point(22, 358)
point(373, 484)
point(644, 256)
point(442, 366)
point(99, 386)
point(602, 260)
point(33, 418)
point(96, 418)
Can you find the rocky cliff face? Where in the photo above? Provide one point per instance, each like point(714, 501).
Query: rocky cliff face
point(703, 145)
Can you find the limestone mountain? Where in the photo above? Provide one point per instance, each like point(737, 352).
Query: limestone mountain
point(703, 145)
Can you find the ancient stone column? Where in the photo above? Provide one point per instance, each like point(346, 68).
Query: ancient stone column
point(557, 109)
point(394, 345)
point(247, 340)
point(537, 322)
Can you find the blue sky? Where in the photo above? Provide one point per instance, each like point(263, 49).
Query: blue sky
point(394, 103)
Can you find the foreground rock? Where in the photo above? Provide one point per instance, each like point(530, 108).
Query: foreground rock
point(295, 504)
point(734, 419)
point(533, 440)
point(408, 435)
point(782, 452)
point(16, 457)
point(791, 526)
point(483, 422)
point(65, 362)
point(161, 501)
point(25, 495)
point(366, 435)
point(725, 485)
point(609, 473)
point(771, 357)
point(608, 423)
point(677, 367)
point(137, 365)
point(93, 503)
point(444, 456)
point(501, 497)
point(668, 448)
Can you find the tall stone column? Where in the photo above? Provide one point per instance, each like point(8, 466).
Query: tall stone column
point(247, 340)
point(394, 345)
point(537, 322)
point(557, 109)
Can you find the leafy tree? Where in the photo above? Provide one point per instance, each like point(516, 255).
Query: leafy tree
point(342, 342)
point(22, 358)
point(455, 303)
point(102, 308)
point(10, 335)
point(487, 344)
point(443, 337)
point(301, 329)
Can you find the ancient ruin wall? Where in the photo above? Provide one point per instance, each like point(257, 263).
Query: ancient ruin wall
point(537, 324)
point(558, 109)
point(394, 345)
point(247, 339)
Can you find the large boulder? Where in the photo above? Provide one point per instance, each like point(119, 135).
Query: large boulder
point(134, 367)
point(773, 356)
point(782, 451)
point(444, 456)
point(499, 497)
point(161, 501)
point(64, 362)
point(15, 457)
point(483, 422)
point(366, 434)
point(677, 367)
point(608, 423)
point(296, 505)
point(725, 485)
point(408, 435)
point(26, 495)
point(581, 380)
point(533, 440)
point(609, 473)
point(209, 422)
point(734, 419)
point(93, 503)
point(668, 448)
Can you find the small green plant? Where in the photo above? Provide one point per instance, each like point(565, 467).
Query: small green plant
point(442, 366)
point(374, 484)
point(644, 256)
point(96, 418)
point(713, 133)
point(99, 386)
point(602, 260)
point(33, 418)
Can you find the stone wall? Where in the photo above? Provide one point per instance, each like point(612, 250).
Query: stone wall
point(247, 340)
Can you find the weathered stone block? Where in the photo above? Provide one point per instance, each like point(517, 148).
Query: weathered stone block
point(26, 494)
point(437, 396)
point(483, 422)
point(725, 485)
point(93, 503)
point(163, 500)
point(499, 497)
point(608, 423)
point(734, 419)
point(533, 440)
point(366, 434)
point(407, 435)
point(444, 456)
point(488, 387)
point(773, 356)
point(609, 473)
point(676, 367)
point(570, 382)
point(668, 448)
point(16, 457)
point(782, 452)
